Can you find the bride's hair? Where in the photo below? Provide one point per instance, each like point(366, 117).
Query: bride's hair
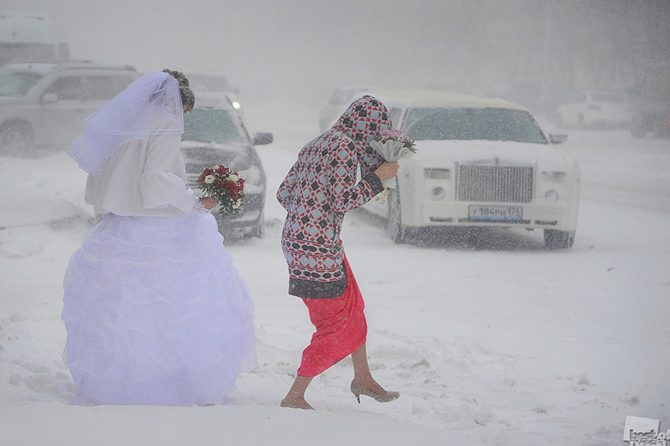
point(187, 96)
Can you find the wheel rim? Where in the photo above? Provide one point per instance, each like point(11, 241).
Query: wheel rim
point(14, 142)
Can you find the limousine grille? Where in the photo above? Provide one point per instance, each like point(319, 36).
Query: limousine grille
point(495, 183)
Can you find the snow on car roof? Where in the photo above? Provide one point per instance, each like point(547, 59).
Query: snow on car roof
point(440, 98)
point(50, 67)
point(213, 100)
point(38, 68)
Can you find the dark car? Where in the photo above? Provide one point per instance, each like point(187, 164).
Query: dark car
point(214, 82)
point(215, 134)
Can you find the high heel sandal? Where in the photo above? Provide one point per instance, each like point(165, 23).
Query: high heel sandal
point(385, 397)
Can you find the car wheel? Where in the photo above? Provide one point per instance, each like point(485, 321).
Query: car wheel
point(554, 239)
point(394, 226)
point(16, 140)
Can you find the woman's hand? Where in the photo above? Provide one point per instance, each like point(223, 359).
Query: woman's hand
point(208, 202)
point(387, 170)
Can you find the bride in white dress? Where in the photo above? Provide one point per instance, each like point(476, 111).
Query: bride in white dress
point(155, 311)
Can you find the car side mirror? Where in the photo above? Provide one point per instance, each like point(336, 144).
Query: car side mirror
point(49, 98)
point(262, 138)
point(558, 138)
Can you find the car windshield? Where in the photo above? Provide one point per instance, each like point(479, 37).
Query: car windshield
point(213, 125)
point(17, 83)
point(492, 124)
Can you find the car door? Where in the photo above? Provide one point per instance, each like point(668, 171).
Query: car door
point(61, 111)
point(76, 97)
point(96, 89)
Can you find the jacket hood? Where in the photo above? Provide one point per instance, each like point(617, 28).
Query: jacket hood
point(361, 122)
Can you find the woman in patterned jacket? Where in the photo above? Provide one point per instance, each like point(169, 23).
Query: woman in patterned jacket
point(318, 190)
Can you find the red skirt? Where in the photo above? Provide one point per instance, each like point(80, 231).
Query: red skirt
point(340, 328)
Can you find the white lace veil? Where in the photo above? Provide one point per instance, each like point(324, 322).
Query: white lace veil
point(150, 105)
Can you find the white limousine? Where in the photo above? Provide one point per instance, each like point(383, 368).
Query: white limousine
point(480, 162)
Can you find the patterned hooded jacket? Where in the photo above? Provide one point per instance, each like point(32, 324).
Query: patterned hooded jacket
point(320, 188)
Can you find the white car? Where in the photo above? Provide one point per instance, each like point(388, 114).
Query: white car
point(479, 163)
point(337, 103)
point(596, 109)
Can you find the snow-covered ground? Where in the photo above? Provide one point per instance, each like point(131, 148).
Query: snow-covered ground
point(499, 343)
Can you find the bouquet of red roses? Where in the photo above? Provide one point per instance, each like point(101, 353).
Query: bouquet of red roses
point(223, 184)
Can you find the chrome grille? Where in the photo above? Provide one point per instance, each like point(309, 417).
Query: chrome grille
point(192, 179)
point(495, 183)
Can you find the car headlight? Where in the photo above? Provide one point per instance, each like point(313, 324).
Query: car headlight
point(551, 196)
point(236, 105)
point(437, 174)
point(251, 175)
point(242, 161)
point(554, 176)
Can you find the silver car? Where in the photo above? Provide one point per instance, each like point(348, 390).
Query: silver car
point(43, 105)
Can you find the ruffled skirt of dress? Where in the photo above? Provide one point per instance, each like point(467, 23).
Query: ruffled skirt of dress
point(156, 313)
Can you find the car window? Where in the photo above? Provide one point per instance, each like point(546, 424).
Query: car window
point(99, 88)
point(491, 124)
point(16, 83)
point(88, 88)
point(68, 88)
point(213, 125)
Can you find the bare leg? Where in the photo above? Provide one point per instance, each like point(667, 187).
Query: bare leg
point(295, 398)
point(362, 373)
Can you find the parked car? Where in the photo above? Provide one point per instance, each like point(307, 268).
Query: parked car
point(599, 109)
point(215, 134)
point(338, 102)
point(214, 82)
point(480, 163)
point(43, 105)
point(651, 110)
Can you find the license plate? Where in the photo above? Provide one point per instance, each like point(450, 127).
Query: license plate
point(495, 213)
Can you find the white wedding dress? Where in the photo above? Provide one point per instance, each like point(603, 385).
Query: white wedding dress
point(154, 309)
point(156, 313)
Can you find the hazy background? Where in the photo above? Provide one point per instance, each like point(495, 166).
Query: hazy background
point(298, 50)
